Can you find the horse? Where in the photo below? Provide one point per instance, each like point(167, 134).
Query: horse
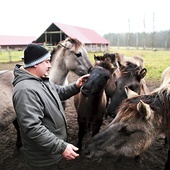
point(69, 55)
point(119, 61)
point(131, 76)
point(90, 103)
point(139, 121)
point(98, 59)
point(7, 115)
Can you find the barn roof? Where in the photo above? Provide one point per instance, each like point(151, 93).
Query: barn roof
point(15, 40)
point(84, 35)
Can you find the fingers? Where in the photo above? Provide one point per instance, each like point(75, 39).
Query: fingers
point(72, 156)
point(69, 153)
point(86, 76)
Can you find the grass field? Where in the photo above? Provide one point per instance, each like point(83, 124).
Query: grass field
point(154, 61)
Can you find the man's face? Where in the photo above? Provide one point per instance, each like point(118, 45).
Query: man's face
point(43, 68)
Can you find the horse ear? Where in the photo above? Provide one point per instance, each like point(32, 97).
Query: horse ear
point(113, 69)
point(130, 93)
point(142, 73)
point(121, 66)
point(144, 109)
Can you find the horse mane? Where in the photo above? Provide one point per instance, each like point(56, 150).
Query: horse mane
point(129, 70)
point(54, 51)
point(106, 65)
point(74, 41)
point(111, 56)
point(158, 101)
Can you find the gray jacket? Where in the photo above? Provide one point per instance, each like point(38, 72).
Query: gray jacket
point(41, 117)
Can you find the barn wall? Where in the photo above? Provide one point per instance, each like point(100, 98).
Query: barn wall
point(96, 47)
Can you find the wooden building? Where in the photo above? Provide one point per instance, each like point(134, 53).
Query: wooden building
point(57, 32)
point(15, 42)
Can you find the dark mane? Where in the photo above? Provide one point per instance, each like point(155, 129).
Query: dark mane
point(111, 56)
point(105, 65)
point(158, 101)
point(129, 70)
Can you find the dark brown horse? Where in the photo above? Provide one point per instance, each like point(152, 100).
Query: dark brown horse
point(138, 122)
point(131, 76)
point(90, 103)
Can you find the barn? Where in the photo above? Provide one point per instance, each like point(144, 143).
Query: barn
point(15, 42)
point(57, 32)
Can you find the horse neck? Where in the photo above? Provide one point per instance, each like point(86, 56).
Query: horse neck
point(58, 72)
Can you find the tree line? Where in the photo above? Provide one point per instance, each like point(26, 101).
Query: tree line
point(143, 40)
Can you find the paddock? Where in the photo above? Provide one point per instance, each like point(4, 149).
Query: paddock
point(152, 159)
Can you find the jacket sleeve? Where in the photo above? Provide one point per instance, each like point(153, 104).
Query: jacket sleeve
point(29, 109)
point(68, 91)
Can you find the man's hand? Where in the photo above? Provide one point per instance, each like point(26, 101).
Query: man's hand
point(70, 153)
point(81, 80)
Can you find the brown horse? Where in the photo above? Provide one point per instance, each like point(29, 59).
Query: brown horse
point(131, 76)
point(90, 103)
point(138, 122)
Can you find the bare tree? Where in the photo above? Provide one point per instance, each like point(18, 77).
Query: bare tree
point(153, 32)
point(128, 33)
point(144, 36)
point(118, 40)
point(167, 40)
point(137, 40)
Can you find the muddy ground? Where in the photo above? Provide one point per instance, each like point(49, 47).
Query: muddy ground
point(153, 159)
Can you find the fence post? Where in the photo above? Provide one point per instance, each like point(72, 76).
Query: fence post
point(9, 52)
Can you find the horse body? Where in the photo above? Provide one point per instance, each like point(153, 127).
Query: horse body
point(138, 122)
point(90, 103)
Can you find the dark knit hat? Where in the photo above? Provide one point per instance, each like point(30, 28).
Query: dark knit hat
point(35, 54)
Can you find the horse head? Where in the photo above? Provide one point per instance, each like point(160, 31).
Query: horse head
point(99, 76)
point(69, 55)
point(130, 76)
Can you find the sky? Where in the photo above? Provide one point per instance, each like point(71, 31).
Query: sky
point(33, 17)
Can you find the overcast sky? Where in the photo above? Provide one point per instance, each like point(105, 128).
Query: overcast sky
point(32, 17)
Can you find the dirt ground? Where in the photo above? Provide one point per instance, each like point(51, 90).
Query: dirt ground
point(153, 159)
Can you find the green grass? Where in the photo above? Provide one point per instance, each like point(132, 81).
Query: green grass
point(154, 61)
point(15, 56)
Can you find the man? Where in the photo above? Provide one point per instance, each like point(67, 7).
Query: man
point(40, 114)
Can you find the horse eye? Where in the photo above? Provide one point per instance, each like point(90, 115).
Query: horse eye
point(90, 69)
point(78, 54)
point(106, 77)
point(125, 131)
